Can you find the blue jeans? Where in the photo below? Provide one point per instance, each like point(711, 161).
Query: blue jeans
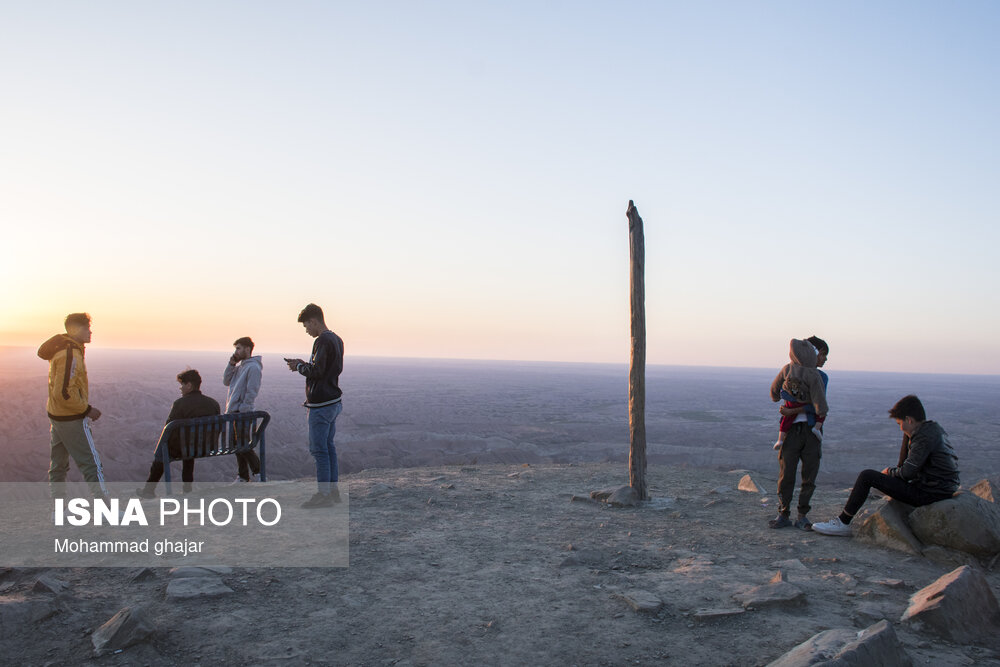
point(322, 428)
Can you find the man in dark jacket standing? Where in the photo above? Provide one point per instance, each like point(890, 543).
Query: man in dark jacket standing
point(191, 404)
point(927, 470)
point(323, 398)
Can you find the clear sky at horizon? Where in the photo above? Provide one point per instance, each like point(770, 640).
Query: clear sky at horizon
point(450, 179)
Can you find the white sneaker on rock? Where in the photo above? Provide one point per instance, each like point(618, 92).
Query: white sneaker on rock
point(238, 480)
point(832, 527)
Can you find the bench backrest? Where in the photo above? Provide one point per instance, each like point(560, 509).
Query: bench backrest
point(217, 435)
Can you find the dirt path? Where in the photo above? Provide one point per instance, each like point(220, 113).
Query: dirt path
point(495, 565)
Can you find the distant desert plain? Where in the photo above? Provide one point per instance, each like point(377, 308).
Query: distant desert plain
point(473, 540)
point(401, 413)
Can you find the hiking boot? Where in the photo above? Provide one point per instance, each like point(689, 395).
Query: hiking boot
point(780, 521)
point(833, 527)
point(802, 523)
point(318, 500)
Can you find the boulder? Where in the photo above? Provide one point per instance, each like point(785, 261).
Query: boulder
point(887, 527)
point(987, 489)
point(875, 645)
point(959, 607)
point(129, 626)
point(965, 522)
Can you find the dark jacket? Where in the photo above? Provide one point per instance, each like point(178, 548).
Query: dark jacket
point(927, 460)
point(195, 404)
point(323, 371)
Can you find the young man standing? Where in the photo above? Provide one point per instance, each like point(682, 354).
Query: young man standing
point(191, 404)
point(242, 376)
point(323, 398)
point(68, 408)
point(927, 470)
point(801, 444)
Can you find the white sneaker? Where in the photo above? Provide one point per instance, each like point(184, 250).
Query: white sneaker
point(818, 432)
point(833, 527)
point(238, 480)
point(254, 477)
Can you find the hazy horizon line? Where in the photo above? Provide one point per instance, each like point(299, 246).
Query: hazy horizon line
point(623, 364)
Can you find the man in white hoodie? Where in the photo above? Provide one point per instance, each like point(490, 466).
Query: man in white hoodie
point(242, 376)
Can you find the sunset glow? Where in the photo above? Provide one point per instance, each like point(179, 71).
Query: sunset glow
point(451, 181)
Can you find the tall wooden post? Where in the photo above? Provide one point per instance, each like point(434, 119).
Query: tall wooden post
point(637, 364)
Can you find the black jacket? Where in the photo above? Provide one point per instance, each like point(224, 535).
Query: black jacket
point(323, 371)
point(928, 460)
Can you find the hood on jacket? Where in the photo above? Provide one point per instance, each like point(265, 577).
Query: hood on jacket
point(258, 360)
point(802, 352)
point(57, 344)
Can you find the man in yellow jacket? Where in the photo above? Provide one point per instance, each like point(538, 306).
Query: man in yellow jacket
point(69, 411)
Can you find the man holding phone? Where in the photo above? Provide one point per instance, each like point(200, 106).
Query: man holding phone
point(242, 376)
point(323, 398)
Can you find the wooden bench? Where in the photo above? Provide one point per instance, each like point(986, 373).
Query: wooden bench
point(203, 437)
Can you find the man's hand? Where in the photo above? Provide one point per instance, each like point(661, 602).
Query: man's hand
point(293, 364)
point(94, 414)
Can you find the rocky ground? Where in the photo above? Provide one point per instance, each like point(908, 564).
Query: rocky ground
point(497, 565)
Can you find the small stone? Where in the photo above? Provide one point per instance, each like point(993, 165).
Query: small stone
point(196, 587)
point(708, 615)
point(781, 594)
point(129, 626)
point(49, 584)
point(748, 484)
point(642, 601)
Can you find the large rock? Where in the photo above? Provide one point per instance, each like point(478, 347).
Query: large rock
point(875, 645)
point(887, 527)
point(129, 626)
point(959, 607)
point(965, 522)
point(987, 489)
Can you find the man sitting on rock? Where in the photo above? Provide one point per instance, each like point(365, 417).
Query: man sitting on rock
point(927, 470)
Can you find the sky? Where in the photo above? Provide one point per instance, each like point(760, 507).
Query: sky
point(450, 179)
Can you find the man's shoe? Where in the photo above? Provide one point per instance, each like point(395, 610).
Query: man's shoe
point(238, 480)
point(145, 493)
point(833, 527)
point(780, 521)
point(318, 500)
point(802, 523)
point(254, 478)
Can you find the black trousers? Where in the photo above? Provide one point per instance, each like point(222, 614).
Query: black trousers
point(800, 445)
point(247, 462)
point(895, 487)
point(156, 471)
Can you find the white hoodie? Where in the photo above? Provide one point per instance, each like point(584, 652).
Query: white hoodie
point(243, 381)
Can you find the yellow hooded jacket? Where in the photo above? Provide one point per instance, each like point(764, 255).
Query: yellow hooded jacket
point(68, 388)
